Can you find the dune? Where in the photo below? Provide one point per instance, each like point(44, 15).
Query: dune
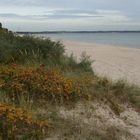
point(114, 62)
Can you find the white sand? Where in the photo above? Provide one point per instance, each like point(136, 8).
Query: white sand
point(110, 61)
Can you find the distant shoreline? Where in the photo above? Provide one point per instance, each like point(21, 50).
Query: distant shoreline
point(60, 32)
point(115, 38)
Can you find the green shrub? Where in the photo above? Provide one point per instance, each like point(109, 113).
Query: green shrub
point(33, 50)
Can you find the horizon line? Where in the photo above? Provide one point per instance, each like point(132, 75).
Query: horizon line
point(100, 31)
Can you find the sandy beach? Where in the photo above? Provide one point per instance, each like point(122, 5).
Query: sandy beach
point(114, 62)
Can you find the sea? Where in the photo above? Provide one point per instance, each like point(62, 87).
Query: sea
point(124, 39)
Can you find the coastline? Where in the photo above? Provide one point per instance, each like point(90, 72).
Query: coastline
point(109, 61)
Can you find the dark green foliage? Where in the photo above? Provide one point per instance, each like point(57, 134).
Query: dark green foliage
point(32, 50)
point(85, 62)
point(0, 25)
point(22, 49)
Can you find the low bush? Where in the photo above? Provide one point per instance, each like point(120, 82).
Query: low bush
point(40, 83)
point(17, 123)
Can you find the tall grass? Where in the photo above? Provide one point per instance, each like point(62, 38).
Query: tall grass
point(32, 50)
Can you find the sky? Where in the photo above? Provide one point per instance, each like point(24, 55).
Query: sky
point(70, 15)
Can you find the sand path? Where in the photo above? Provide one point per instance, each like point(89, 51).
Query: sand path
point(111, 61)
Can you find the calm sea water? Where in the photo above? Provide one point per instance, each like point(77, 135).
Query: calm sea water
point(118, 39)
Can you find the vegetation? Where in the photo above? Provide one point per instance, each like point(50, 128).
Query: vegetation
point(0, 26)
point(39, 83)
point(18, 123)
point(35, 73)
point(30, 50)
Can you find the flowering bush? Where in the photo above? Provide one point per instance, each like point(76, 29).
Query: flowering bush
point(18, 123)
point(41, 83)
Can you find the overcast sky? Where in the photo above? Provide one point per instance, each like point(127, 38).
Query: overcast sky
point(50, 15)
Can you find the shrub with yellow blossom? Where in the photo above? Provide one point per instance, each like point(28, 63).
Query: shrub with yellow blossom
point(41, 83)
point(17, 123)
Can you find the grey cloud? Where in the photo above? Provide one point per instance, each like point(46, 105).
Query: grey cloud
point(71, 16)
point(20, 17)
point(52, 10)
point(130, 7)
point(9, 15)
point(73, 13)
point(12, 15)
point(57, 14)
point(130, 4)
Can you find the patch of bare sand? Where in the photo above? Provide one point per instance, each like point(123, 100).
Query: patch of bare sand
point(111, 61)
point(100, 116)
